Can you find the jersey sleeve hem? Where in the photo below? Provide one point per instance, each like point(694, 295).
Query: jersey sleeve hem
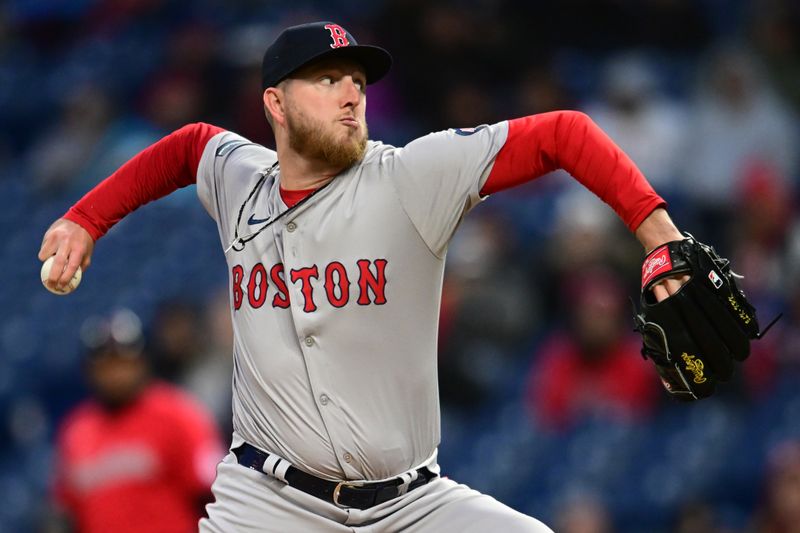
point(73, 215)
point(644, 211)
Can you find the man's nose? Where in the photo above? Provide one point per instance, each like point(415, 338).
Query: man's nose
point(352, 94)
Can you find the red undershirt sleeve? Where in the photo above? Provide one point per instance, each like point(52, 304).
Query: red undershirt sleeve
point(156, 171)
point(570, 140)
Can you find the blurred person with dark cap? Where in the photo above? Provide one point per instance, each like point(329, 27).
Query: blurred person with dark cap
point(139, 455)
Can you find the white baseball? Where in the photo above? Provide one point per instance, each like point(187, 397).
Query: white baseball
point(71, 286)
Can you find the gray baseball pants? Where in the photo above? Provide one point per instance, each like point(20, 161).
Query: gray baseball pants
point(248, 501)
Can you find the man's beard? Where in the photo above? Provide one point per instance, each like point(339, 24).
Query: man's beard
point(310, 138)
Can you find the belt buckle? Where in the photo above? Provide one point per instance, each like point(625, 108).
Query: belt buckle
point(338, 488)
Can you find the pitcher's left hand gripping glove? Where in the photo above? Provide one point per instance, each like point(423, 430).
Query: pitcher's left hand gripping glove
point(695, 335)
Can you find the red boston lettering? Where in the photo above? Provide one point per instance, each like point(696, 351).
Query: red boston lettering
point(341, 282)
point(305, 275)
point(237, 274)
point(369, 281)
point(281, 298)
point(257, 286)
point(336, 282)
point(338, 35)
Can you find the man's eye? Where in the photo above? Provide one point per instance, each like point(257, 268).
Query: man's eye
point(326, 80)
point(360, 84)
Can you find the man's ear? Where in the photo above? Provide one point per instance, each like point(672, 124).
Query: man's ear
point(274, 104)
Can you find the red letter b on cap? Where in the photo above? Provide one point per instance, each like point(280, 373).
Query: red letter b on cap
point(338, 35)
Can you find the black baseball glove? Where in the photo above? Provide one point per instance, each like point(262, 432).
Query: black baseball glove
point(695, 335)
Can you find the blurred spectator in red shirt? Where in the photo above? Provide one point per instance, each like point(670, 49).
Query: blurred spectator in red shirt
point(139, 455)
point(593, 367)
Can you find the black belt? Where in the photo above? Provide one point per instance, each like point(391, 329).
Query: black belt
point(358, 494)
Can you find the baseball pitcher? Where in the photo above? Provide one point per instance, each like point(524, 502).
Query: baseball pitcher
point(335, 246)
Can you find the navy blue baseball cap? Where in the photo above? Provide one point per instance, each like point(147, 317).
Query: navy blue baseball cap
point(298, 46)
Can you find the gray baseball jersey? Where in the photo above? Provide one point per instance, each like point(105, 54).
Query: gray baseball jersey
point(336, 305)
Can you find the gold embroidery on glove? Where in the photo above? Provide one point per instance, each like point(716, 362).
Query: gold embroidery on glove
point(695, 366)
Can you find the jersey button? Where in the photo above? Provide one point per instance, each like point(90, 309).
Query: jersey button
point(348, 458)
point(324, 399)
point(309, 341)
point(291, 226)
